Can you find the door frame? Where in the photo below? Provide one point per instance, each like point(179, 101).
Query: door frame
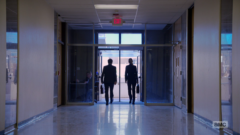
point(119, 58)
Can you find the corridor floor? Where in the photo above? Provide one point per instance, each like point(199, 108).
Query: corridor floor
point(117, 119)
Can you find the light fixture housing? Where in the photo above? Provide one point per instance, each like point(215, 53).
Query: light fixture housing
point(104, 6)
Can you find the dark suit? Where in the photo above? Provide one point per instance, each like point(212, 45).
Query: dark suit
point(132, 79)
point(110, 77)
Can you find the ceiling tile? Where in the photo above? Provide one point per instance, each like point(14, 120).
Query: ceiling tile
point(149, 11)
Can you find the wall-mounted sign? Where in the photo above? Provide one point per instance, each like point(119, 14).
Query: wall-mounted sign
point(117, 22)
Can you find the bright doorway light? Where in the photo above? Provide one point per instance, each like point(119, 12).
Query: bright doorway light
point(102, 6)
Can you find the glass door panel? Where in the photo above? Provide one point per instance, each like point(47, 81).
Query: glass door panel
point(114, 55)
point(125, 55)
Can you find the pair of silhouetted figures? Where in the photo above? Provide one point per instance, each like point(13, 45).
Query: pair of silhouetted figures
point(109, 79)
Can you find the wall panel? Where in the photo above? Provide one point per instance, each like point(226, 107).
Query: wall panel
point(206, 59)
point(236, 66)
point(2, 62)
point(36, 58)
point(177, 30)
point(55, 93)
point(184, 56)
point(180, 35)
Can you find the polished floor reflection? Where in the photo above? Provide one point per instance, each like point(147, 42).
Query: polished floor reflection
point(117, 120)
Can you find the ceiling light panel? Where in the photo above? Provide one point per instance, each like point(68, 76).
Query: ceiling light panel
point(103, 6)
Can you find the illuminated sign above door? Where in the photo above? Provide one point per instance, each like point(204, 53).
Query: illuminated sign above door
point(117, 22)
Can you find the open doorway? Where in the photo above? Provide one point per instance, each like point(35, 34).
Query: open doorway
point(120, 61)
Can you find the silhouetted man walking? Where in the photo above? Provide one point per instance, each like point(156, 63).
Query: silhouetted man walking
point(110, 78)
point(131, 79)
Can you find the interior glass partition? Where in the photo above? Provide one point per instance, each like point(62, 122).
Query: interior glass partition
point(11, 63)
point(80, 74)
point(226, 61)
point(159, 64)
point(155, 33)
point(159, 73)
point(80, 34)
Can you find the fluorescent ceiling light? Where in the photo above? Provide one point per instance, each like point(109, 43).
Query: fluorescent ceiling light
point(101, 6)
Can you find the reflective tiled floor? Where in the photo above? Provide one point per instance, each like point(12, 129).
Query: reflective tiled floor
point(123, 101)
point(117, 120)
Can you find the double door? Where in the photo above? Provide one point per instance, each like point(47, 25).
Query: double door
point(120, 59)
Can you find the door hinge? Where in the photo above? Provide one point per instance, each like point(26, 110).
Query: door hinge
point(181, 98)
point(181, 47)
point(180, 72)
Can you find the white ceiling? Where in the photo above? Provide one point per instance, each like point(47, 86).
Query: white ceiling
point(149, 11)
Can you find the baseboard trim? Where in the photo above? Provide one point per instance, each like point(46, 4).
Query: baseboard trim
point(236, 133)
point(203, 120)
point(34, 119)
point(208, 123)
point(228, 130)
point(9, 129)
point(2, 132)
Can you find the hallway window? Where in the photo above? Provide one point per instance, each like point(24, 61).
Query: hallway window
point(226, 38)
point(12, 37)
point(108, 38)
point(131, 38)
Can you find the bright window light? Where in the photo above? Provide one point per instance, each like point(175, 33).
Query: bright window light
point(226, 38)
point(101, 6)
point(12, 37)
point(131, 38)
point(108, 38)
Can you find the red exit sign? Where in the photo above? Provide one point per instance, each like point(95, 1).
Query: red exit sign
point(117, 22)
